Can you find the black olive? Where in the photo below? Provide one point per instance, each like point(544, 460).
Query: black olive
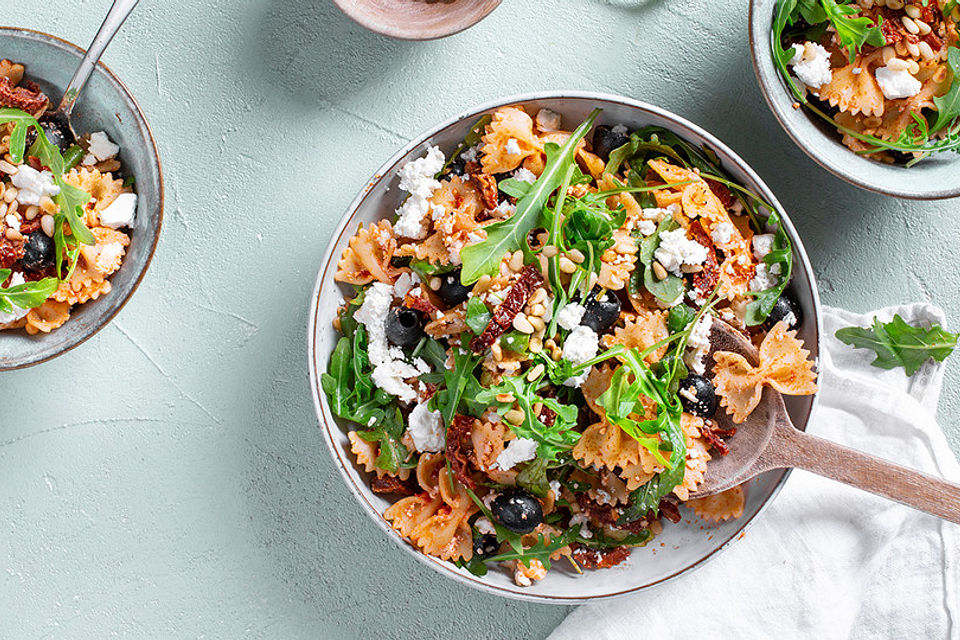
point(698, 396)
point(601, 313)
point(38, 252)
point(485, 545)
point(605, 140)
point(404, 326)
point(517, 510)
point(457, 168)
point(786, 308)
point(401, 261)
point(451, 291)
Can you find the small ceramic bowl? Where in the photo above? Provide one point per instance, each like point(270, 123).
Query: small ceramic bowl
point(685, 545)
point(934, 178)
point(417, 19)
point(105, 105)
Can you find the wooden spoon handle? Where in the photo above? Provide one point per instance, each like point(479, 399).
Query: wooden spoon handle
point(793, 448)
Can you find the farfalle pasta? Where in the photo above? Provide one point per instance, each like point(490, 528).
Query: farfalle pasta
point(61, 233)
point(885, 73)
point(524, 375)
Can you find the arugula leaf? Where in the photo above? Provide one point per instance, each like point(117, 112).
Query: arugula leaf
point(780, 254)
point(393, 454)
point(27, 295)
point(679, 317)
point(513, 187)
point(511, 234)
point(948, 105)
point(600, 540)
point(812, 11)
point(516, 342)
point(427, 270)
point(551, 440)
point(456, 381)
point(478, 316)
point(671, 287)
point(852, 32)
point(898, 344)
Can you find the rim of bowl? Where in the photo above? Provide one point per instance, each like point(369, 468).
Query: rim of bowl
point(61, 43)
point(411, 31)
point(324, 278)
point(892, 182)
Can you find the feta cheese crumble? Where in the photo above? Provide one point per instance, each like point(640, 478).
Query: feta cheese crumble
point(722, 233)
point(698, 344)
point(647, 227)
point(548, 120)
point(513, 147)
point(484, 525)
point(580, 519)
point(676, 250)
point(121, 211)
point(416, 178)
point(389, 369)
point(524, 175)
point(517, 451)
point(405, 282)
point(766, 277)
point(580, 346)
point(100, 147)
point(425, 427)
point(811, 64)
point(762, 245)
point(897, 83)
point(570, 316)
point(33, 185)
point(16, 313)
point(620, 129)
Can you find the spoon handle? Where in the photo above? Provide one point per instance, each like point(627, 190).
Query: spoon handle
point(793, 448)
point(111, 24)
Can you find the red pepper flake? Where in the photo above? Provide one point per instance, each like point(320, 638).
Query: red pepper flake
point(705, 281)
point(599, 558)
point(530, 279)
point(459, 445)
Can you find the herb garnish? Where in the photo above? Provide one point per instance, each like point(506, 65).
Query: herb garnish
point(898, 344)
point(781, 254)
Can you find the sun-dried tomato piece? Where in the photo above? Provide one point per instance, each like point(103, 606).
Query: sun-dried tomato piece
point(29, 226)
point(488, 189)
point(722, 192)
point(599, 558)
point(459, 445)
point(705, 281)
point(670, 510)
point(10, 252)
point(713, 436)
point(420, 304)
point(891, 33)
point(607, 515)
point(390, 484)
point(26, 96)
point(528, 282)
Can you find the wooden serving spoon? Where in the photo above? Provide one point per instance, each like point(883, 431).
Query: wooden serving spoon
point(768, 440)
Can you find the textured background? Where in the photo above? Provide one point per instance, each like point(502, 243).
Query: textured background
point(168, 479)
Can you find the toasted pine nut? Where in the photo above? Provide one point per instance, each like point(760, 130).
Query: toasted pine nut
point(550, 250)
point(898, 64)
point(6, 167)
point(505, 397)
point(659, 271)
point(435, 283)
point(889, 53)
point(909, 25)
point(535, 346)
point(521, 324)
point(576, 255)
point(31, 212)
point(914, 68)
point(514, 416)
point(537, 323)
point(912, 10)
point(926, 52)
point(538, 296)
point(48, 204)
point(497, 351)
point(567, 265)
point(13, 234)
point(516, 261)
point(924, 27)
point(538, 310)
point(10, 194)
point(46, 223)
point(536, 372)
point(913, 49)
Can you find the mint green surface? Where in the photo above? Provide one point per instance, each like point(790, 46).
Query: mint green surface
point(167, 479)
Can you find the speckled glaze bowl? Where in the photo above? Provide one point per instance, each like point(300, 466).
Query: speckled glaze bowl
point(105, 105)
point(680, 548)
point(417, 19)
point(936, 177)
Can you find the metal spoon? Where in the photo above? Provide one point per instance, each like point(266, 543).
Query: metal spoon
point(57, 124)
point(768, 440)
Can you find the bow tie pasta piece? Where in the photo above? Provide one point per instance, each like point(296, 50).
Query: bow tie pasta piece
point(367, 257)
point(725, 505)
point(784, 366)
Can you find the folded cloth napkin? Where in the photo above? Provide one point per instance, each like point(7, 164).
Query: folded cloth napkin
point(824, 560)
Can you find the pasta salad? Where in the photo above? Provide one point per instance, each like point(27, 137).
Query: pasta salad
point(63, 212)
point(523, 363)
point(885, 73)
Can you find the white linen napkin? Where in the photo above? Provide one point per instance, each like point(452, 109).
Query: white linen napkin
point(824, 560)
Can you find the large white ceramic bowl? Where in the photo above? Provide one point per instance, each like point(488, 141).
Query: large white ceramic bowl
point(680, 547)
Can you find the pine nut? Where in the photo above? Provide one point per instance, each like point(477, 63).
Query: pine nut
point(516, 261)
point(910, 25)
point(550, 343)
point(514, 416)
point(31, 212)
point(923, 26)
point(691, 268)
point(10, 194)
point(889, 53)
point(895, 4)
point(46, 223)
point(926, 52)
point(901, 48)
point(550, 250)
point(538, 310)
point(556, 354)
point(537, 323)
point(3, 209)
point(521, 324)
point(535, 346)
point(497, 351)
point(537, 408)
point(538, 296)
point(13, 206)
point(505, 397)
point(912, 10)
point(576, 255)
point(659, 271)
point(898, 65)
point(914, 69)
point(567, 265)
point(435, 283)
point(536, 372)
point(13, 234)
point(48, 205)
point(866, 4)
point(6, 167)
point(913, 49)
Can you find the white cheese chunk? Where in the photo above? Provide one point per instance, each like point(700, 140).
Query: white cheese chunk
point(548, 120)
point(811, 64)
point(722, 233)
point(513, 147)
point(417, 178)
point(516, 451)
point(426, 429)
point(121, 211)
point(33, 185)
point(897, 84)
point(17, 312)
point(676, 250)
point(698, 344)
point(524, 175)
point(762, 245)
point(570, 316)
point(101, 147)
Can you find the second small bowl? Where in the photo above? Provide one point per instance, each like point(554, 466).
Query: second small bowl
point(417, 19)
point(935, 178)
